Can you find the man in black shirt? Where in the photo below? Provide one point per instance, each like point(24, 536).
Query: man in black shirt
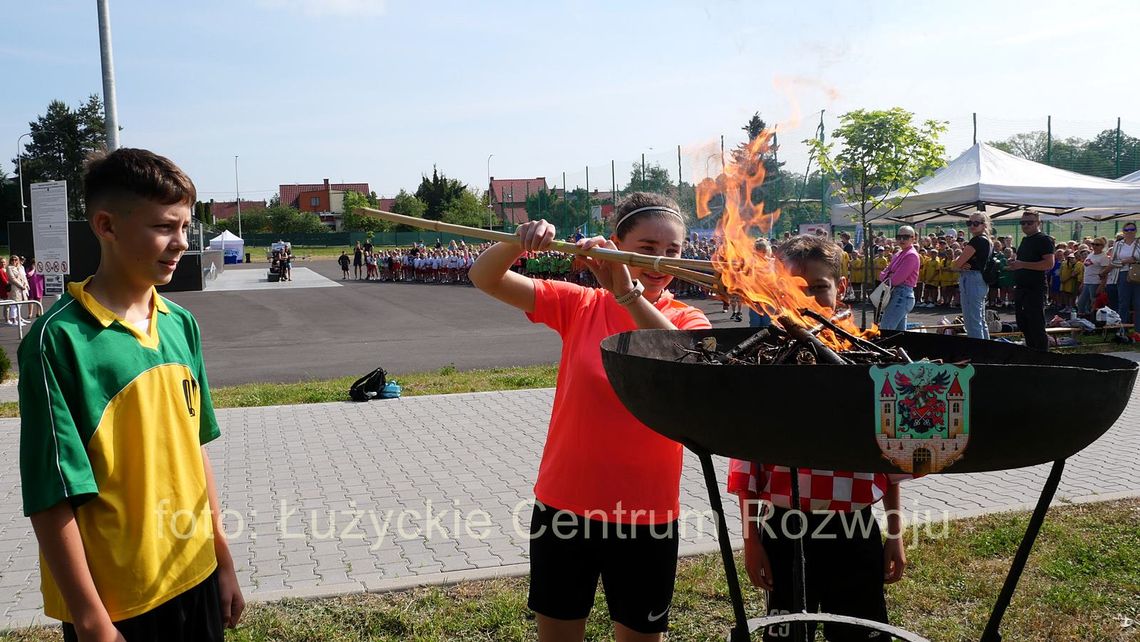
point(1034, 259)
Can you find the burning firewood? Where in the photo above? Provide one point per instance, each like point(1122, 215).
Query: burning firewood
point(793, 343)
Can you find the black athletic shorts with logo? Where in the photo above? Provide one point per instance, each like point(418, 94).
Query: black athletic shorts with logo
point(637, 566)
point(843, 571)
point(192, 616)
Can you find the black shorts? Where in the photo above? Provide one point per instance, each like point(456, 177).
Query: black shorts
point(192, 616)
point(637, 565)
point(843, 574)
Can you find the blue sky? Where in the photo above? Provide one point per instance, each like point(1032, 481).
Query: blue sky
point(379, 91)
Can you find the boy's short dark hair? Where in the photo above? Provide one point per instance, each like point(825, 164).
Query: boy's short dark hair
point(139, 173)
point(798, 250)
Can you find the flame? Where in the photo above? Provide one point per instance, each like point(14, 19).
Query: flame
point(762, 283)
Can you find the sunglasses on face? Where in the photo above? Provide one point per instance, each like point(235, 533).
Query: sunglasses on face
point(974, 223)
point(1129, 229)
point(903, 237)
point(1098, 244)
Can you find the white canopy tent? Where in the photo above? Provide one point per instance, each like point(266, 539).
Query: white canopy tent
point(985, 177)
point(1103, 215)
point(227, 240)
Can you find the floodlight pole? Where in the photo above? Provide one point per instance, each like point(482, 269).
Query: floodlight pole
point(110, 111)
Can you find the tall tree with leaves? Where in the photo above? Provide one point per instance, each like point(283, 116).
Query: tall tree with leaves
point(437, 193)
point(358, 222)
point(650, 178)
point(61, 141)
point(468, 209)
point(884, 155)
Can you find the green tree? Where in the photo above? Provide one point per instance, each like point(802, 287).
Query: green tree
point(1103, 148)
point(251, 222)
point(650, 178)
point(437, 193)
point(540, 204)
point(408, 205)
point(357, 222)
point(884, 154)
point(1096, 157)
point(468, 209)
point(61, 141)
point(1030, 145)
point(799, 201)
point(287, 220)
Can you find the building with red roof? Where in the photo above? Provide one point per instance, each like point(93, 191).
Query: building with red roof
point(316, 197)
point(508, 196)
point(224, 210)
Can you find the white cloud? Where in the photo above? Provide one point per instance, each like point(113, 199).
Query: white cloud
point(329, 7)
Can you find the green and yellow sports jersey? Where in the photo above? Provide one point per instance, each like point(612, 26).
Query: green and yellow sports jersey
point(112, 420)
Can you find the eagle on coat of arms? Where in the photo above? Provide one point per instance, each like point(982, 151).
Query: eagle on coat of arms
point(922, 404)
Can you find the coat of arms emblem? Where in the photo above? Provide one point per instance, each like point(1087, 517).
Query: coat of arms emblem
point(922, 414)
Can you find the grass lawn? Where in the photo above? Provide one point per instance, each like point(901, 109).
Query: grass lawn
point(446, 380)
point(1082, 583)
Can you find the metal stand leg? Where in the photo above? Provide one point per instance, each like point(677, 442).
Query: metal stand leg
point(799, 564)
point(740, 631)
point(991, 634)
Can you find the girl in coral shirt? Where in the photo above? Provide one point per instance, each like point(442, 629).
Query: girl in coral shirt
point(608, 486)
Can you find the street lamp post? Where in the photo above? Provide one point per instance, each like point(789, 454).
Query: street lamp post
point(490, 209)
point(110, 110)
point(711, 156)
point(237, 192)
point(20, 170)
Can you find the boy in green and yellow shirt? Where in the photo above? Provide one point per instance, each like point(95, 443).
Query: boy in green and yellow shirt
point(115, 410)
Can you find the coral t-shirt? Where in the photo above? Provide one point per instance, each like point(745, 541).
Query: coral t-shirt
point(599, 461)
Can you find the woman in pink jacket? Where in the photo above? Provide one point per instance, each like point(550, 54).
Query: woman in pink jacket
point(902, 274)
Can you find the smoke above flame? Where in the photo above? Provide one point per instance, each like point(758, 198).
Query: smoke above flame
point(762, 282)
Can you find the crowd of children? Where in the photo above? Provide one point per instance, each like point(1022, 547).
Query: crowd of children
point(938, 282)
point(450, 264)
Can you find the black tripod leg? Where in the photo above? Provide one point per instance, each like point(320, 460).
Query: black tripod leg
point(991, 634)
point(740, 631)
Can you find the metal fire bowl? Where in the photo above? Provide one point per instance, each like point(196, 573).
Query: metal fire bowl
point(1025, 407)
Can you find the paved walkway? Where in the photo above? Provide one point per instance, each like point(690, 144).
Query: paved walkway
point(337, 498)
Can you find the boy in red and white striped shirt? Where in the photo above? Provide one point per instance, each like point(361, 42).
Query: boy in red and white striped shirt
point(846, 562)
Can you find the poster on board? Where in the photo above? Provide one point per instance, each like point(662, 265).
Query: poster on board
point(49, 227)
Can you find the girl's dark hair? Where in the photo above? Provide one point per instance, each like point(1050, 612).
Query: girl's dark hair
point(638, 200)
point(139, 173)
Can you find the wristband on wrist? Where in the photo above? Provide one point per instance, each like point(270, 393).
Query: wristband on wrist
point(628, 297)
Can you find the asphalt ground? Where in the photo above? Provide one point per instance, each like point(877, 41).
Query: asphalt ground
point(290, 334)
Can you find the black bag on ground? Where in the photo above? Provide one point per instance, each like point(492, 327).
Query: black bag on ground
point(368, 386)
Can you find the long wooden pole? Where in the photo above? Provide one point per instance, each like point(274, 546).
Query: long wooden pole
point(693, 270)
